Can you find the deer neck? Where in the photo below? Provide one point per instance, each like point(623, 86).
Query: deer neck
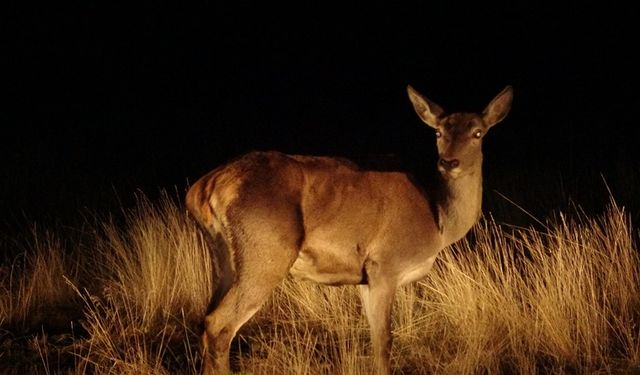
point(460, 203)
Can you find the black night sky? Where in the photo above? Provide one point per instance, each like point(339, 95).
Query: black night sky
point(100, 102)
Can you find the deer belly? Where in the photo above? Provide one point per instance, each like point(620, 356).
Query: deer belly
point(330, 266)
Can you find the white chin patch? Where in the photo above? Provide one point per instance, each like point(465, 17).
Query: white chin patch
point(453, 173)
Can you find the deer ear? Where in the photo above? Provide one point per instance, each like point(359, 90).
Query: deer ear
point(428, 111)
point(499, 107)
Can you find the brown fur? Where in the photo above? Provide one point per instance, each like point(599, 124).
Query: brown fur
point(330, 221)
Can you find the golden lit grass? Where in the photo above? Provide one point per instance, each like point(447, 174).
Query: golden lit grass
point(35, 282)
point(146, 288)
point(157, 279)
point(564, 299)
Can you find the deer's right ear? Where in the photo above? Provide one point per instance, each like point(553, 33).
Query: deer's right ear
point(428, 111)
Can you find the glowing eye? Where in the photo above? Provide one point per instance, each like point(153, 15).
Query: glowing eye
point(477, 134)
point(438, 133)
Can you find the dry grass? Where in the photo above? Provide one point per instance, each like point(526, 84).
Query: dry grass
point(565, 299)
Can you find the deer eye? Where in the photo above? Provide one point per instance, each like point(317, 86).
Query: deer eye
point(477, 134)
point(438, 133)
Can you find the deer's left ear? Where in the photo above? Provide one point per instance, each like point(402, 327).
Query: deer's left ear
point(499, 107)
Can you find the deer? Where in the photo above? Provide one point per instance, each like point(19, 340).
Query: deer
point(331, 221)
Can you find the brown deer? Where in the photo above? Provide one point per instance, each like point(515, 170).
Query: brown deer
point(332, 221)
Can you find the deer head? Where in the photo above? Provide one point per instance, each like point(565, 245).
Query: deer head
point(459, 135)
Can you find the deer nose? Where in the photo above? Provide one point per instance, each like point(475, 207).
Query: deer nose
point(449, 164)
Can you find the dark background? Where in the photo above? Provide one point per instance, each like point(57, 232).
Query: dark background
point(102, 102)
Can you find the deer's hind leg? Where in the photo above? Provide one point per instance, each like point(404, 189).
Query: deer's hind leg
point(262, 255)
